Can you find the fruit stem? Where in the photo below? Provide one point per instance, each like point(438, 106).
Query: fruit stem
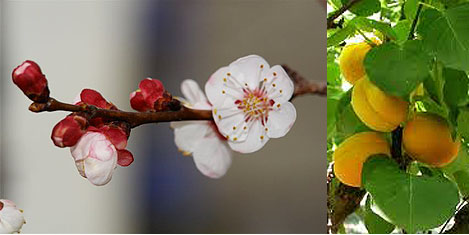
point(396, 148)
point(369, 41)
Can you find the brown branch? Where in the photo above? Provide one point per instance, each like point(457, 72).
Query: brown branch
point(461, 221)
point(342, 200)
point(134, 119)
point(344, 8)
point(304, 86)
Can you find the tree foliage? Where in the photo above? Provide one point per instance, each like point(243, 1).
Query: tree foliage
point(422, 58)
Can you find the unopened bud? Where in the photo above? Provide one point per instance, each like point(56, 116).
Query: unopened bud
point(29, 78)
point(68, 131)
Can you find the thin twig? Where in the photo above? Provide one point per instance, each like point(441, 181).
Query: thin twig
point(344, 8)
point(134, 119)
point(455, 213)
point(304, 86)
point(414, 23)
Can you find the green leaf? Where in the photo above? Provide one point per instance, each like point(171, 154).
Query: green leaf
point(364, 7)
point(446, 35)
point(402, 29)
point(397, 70)
point(333, 70)
point(331, 109)
point(455, 88)
point(463, 123)
point(462, 180)
point(340, 35)
point(333, 96)
point(434, 84)
point(369, 25)
point(460, 163)
point(335, 3)
point(452, 3)
point(347, 122)
point(411, 202)
point(432, 107)
point(410, 8)
point(374, 223)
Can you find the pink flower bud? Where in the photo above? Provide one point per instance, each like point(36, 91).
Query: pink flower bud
point(29, 78)
point(150, 90)
point(95, 157)
point(99, 151)
point(118, 138)
point(11, 218)
point(68, 131)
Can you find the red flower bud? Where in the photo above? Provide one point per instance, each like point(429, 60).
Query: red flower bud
point(92, 97)
point(117, 136)
point(150, 90)
point(68, 131)
point(124, 157)
point(138, 103)
point(29, 78)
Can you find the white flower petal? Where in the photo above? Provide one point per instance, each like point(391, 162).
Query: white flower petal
point(101, 148)
point(81, 167)
point(212, 157)
point(230, 123)
point(194, 95)
point(281, 120)
point(100, 172)
point(81, 150)
point(279, 85)
point(188, 134)
point(215, 86)
point(255, 140)
point(250, 70)
point(11, 218)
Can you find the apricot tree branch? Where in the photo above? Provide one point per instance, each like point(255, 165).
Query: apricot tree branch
point(342, 200)
point(461, 220)
point(344, 8)
point(134, 119)
point(304, 86)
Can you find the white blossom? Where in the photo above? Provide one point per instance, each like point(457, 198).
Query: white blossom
point(208, 147)
point(251, 102)
point(11, 218)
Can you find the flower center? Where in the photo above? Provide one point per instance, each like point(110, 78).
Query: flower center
point(255, 105)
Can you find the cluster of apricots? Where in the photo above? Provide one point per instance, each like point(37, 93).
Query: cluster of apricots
point(426, 137)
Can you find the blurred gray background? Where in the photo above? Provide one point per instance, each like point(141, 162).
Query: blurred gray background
point(110, 46)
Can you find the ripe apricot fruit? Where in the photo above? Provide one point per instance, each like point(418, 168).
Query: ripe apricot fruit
point(427, 138)
point(378, 110)
point(351, 61)
point(353, 152)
